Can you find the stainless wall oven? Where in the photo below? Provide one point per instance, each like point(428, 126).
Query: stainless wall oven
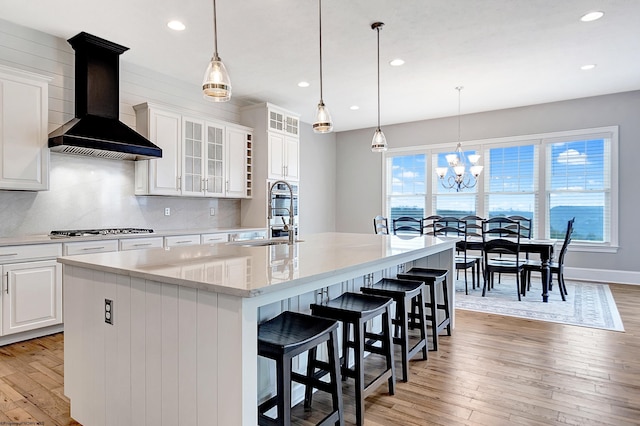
point(280, 202)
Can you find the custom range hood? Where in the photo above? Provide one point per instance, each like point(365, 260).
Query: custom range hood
point(95, 130)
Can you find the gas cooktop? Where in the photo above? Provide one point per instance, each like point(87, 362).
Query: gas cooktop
point(106, 231)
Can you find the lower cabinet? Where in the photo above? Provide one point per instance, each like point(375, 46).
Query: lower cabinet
point(32, 296)
point(181, 240)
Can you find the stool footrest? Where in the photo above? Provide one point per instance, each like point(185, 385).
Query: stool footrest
point(312, 381)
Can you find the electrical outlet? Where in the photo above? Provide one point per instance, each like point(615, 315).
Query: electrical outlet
point(108, 311)
point(167, 211)
point(212, 211)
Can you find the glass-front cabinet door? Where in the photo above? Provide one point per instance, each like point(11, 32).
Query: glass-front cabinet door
point(215, 173)
point(192, 149)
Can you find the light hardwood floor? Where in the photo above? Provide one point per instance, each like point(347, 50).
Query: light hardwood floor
point(494, 371)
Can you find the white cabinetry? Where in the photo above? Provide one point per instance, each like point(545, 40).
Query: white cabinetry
point(283, 157)
point(214, 238)
point(205, 158)
point(275, 156)
point(141, 243)
point(24, 155)
point(160, 176)
point(181, 240)
point(31, 287)
point(85, 247)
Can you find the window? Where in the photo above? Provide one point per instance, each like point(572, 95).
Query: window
point(579, 185)
point(406, 186)
point(511, 182)
point(549, 178)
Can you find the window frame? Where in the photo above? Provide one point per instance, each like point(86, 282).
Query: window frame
point(542, 142)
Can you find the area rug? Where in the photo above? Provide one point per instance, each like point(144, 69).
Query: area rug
point(588, 304)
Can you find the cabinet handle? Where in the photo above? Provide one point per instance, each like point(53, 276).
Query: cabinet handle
point(93, 248)
point(142, 244)
point(8, 254)
point(5, 282)
point(206, 185)
point(226, 185)
point(183, 242)
point(179, 183)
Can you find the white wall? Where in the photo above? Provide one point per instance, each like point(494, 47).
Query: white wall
point(88, 192)
point(359, 171)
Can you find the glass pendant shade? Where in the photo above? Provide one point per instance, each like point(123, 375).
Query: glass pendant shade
point(216, 85)
point(323, 123)
point(379, 142)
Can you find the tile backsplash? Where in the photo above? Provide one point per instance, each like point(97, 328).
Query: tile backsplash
point(88, 192)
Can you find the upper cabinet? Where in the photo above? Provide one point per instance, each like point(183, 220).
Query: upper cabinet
point(203, 158)
point(24, 155)
point(278, 131)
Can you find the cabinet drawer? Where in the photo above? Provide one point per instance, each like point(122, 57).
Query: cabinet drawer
point(214, 238)
point(182, 240)
point(29, 252)
point(141, 243)
point(84, 247)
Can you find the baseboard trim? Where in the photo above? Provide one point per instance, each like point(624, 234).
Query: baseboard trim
point(602, 275)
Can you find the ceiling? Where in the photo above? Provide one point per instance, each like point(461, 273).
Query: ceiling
point(505, 53)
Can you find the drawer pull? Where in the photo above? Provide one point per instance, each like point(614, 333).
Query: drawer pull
point(93, 248)
point(8, 254)
point(142, 244)
point(183, 242)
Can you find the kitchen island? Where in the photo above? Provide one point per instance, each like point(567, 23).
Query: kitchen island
point(169, 336)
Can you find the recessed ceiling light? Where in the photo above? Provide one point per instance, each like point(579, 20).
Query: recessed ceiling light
point(303, 84)
point(396, 62)
point(588, 67)
point(176, 25)
point(592, 16)
point(354, 107)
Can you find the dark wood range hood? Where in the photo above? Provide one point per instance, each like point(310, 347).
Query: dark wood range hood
point(96, 130)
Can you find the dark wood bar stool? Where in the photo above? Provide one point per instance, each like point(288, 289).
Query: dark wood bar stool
point(354, 310)
point(404, 293)
point(432, 278)
point(286, 336)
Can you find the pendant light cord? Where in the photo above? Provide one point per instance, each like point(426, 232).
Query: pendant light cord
point(378, 32)
point(215, 32)
point(459, 89)
point(320, 21)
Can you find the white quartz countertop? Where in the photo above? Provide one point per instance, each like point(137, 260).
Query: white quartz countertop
point(46, 239)
point(250, 271)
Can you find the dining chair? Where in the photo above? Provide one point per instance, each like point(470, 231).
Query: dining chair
point(407, 225)
point(557, 268)
point(452, 226)
point(427, 223)
point(380, 225)
point(501, 236)
point(474, 225)
point(525, 225)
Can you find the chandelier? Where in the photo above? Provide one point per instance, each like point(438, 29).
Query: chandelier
point(456, 175)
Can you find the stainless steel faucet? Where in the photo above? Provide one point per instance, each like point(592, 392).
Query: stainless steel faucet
point(291, 226)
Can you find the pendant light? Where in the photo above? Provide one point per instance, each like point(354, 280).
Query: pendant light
point(323, 123)
point(216, 85)
point(379, 142)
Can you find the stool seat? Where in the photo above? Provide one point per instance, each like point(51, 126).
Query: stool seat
point(431, 278)
point(290, 331)
point(404, 293)
point(354, 310)
point(286, 336)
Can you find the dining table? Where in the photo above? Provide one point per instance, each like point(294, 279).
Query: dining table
point(544, 248)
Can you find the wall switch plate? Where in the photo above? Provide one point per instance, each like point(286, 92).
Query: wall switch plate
point(212, 211)
point(108, 311)
point(167, 211)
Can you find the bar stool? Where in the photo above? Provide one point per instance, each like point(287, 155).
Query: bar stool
point(286, 336)
point(404, 293)
point(354, 310)
point(431, 278)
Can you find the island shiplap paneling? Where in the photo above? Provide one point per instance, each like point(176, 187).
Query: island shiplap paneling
point(206, 357)
point(138, 352)
point(122, 356)
point(187, 363)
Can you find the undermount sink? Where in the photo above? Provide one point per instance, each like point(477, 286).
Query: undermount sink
point(259, 243)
